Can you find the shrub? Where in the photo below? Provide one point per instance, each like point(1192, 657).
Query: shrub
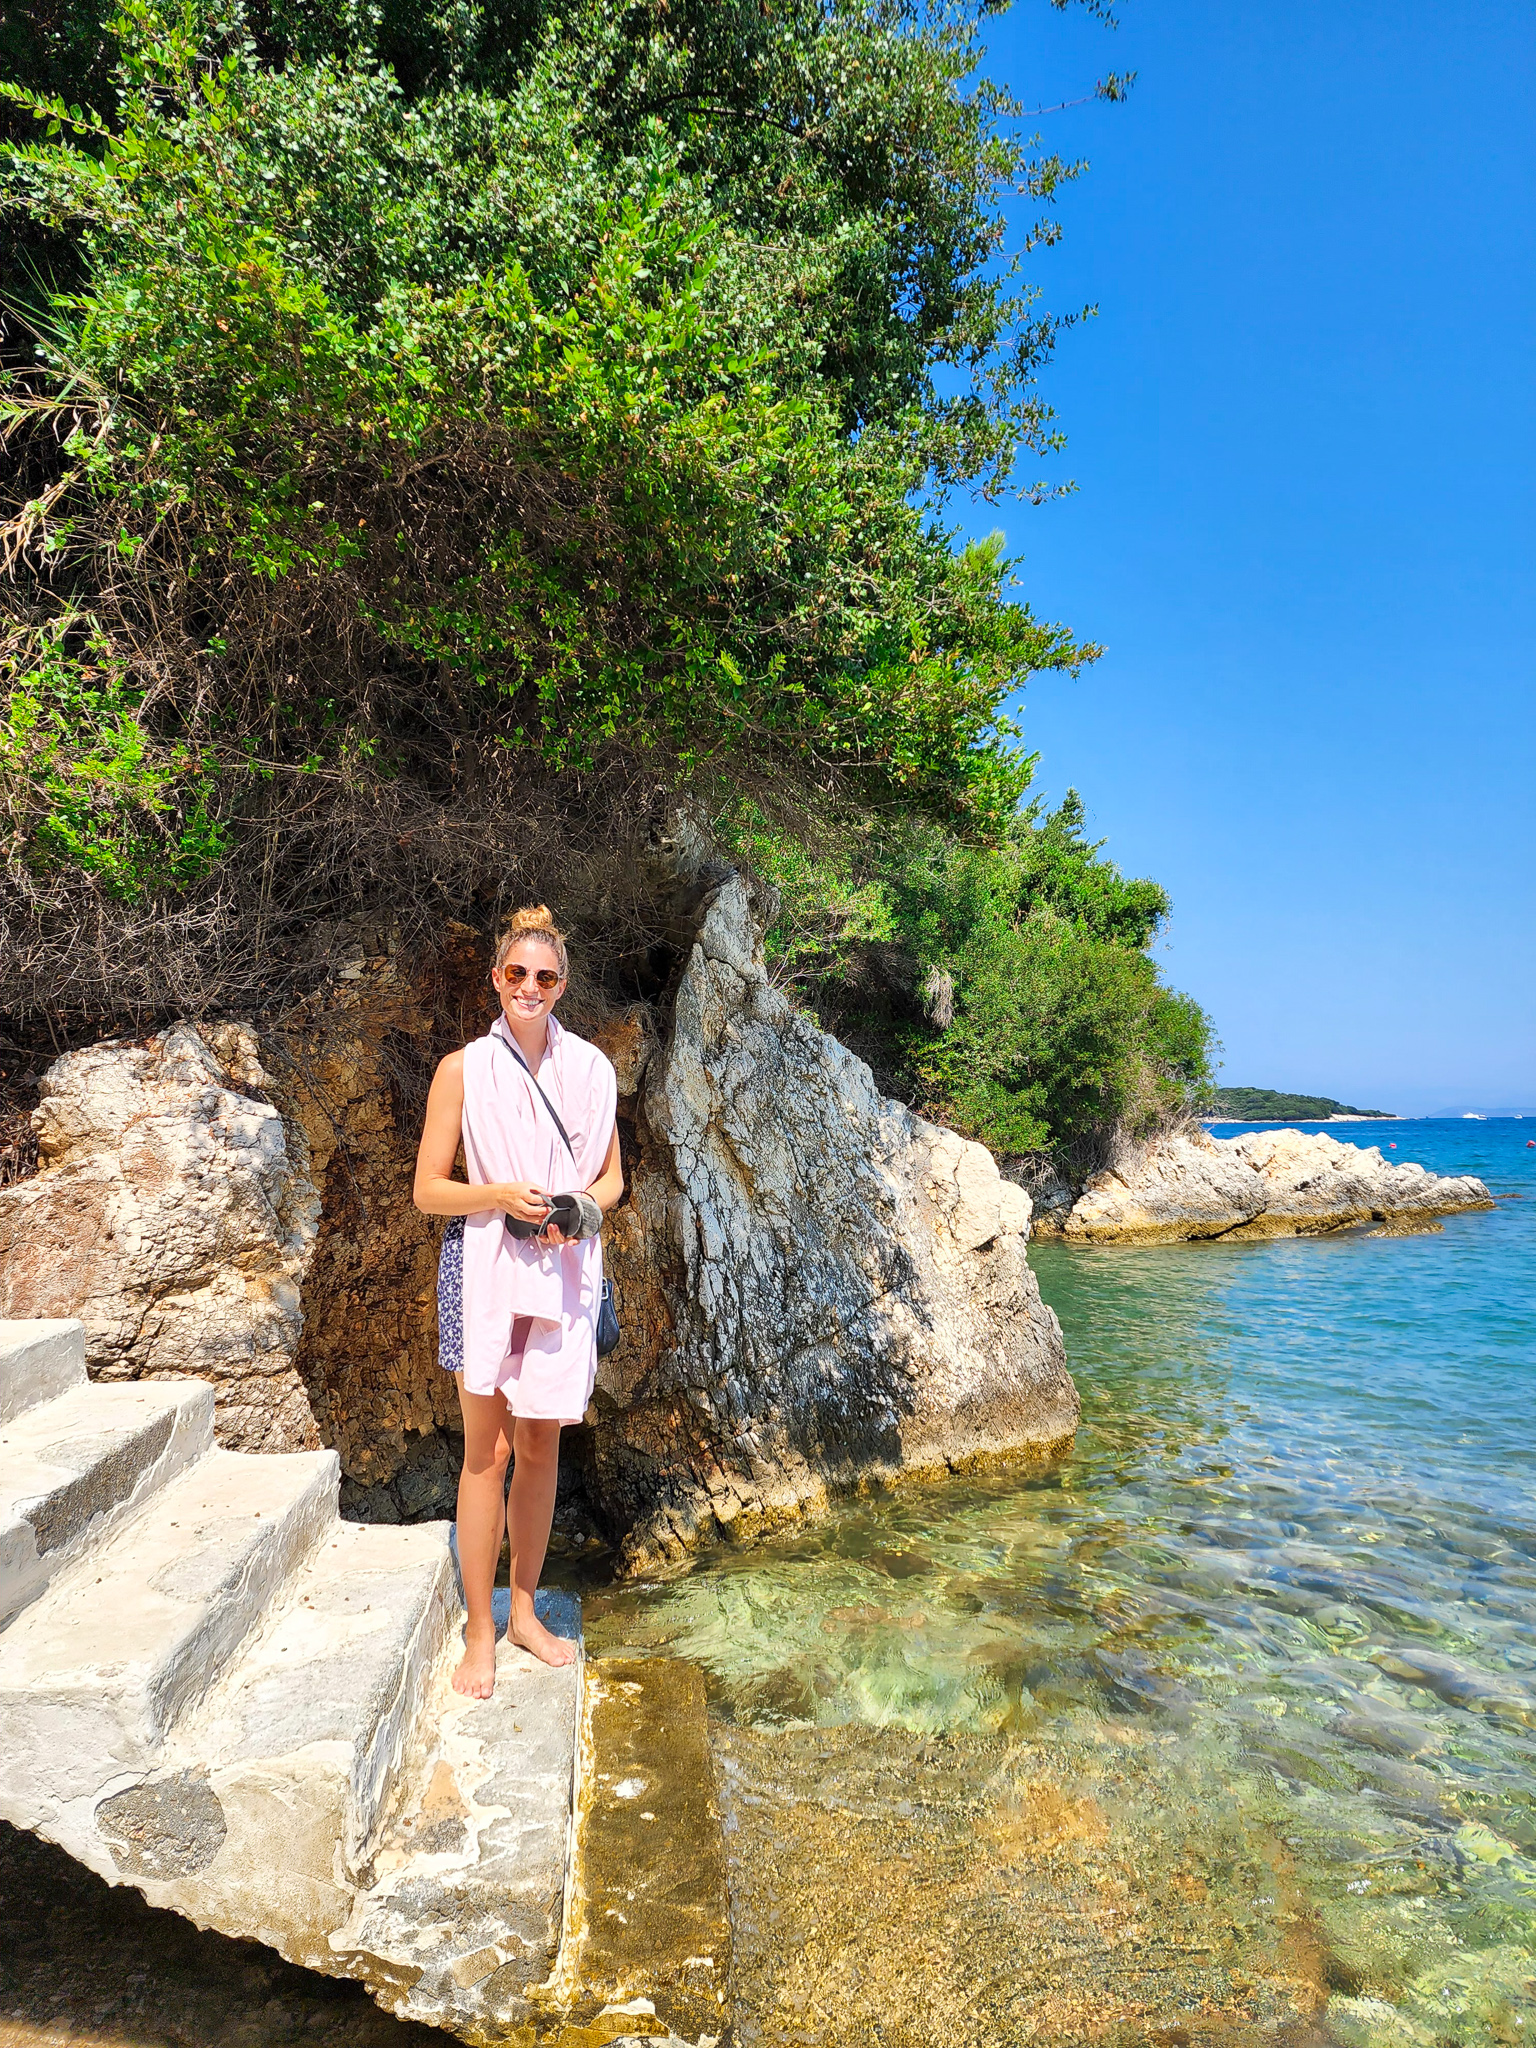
point(1007, 988)
point(432, 407)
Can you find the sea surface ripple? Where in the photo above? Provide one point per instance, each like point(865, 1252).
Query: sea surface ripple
point(1274, 1619)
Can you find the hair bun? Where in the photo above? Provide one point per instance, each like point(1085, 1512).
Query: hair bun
point(533, 917)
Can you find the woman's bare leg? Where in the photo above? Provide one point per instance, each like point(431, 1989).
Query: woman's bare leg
point(530, 1510)
point(482, 1523)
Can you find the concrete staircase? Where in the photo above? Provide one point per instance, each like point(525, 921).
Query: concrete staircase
point(214, 1689)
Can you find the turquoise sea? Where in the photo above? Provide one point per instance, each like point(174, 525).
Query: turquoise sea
point(1289, 1573)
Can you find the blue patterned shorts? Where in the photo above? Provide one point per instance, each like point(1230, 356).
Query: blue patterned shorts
point(450, 1297)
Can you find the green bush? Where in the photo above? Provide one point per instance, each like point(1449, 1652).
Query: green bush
point(459, 428)
point(95, 795)
point(1006, 987)
point(438, 400)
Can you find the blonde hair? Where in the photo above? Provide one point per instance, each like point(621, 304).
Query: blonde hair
point(533, 921)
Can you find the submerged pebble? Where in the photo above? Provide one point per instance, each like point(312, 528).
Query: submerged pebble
point(1482, 1691)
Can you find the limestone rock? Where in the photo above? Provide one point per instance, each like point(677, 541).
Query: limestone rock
point(817, 1288)
point(350, 1067)
point(1185, 1187)
point(172, 1214)
point(1274, 1183)
point(240, 1209)
point(827, 1289)
point(1311, 1181)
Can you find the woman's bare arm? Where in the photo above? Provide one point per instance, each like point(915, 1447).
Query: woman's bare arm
point(436, 1192)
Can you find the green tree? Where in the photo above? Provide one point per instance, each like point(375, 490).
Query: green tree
point(444, 402)
point(440, 417)
point(1007, 987)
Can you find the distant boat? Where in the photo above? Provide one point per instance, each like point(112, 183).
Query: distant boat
point(1474, 1116)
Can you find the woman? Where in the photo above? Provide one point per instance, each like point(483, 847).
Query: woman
point(517, 1313)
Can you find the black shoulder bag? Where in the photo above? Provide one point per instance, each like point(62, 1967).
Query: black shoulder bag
point(608, 1331)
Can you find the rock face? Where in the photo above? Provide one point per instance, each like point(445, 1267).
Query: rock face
point(817, 1286)
point(1261, 1184)
point(173, 1213)
point(349, 1070)
point(242, 1212)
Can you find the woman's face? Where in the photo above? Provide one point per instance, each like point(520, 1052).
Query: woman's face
point(524, 998)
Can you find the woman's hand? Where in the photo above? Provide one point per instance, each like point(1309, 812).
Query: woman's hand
point(520, 1198)
point(529, 1204)
point(437, 1193)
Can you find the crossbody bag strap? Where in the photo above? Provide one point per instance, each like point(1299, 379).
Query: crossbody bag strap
point(533, 1077)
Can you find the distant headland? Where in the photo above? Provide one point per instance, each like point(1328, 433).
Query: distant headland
point(1269, 1105)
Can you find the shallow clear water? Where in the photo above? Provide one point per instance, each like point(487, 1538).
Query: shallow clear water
point(1291, 1561)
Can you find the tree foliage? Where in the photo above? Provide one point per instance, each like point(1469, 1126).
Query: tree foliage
point(1006, 986)
point(447, 397)
point(447, 430)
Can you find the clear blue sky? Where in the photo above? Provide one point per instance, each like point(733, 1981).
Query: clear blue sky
point(1304, 436)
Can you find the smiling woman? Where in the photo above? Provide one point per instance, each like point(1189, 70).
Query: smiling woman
point(518, 1296)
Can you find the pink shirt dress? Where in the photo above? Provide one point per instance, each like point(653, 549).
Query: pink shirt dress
point(517, 1317)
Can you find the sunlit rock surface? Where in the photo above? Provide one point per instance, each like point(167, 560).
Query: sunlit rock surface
point(817, 1289)
point(216, 1691)
point(830, 1289)
point(1262, 1184)
point(174, 1215)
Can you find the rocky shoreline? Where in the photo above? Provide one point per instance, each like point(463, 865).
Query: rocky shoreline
point(819, 1290)
point(1189, 1186)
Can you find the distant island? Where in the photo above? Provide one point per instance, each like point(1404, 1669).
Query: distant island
point(1268, 1105)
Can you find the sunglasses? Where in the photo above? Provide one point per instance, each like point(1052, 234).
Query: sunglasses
point(515, 976)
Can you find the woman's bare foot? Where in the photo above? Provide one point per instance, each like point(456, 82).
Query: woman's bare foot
point(476, 1675)
point(530, 1634)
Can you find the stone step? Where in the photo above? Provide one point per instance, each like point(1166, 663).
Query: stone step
point(139, 1628)
point(269, 1797)
point(363, 1626)
point(40, 1359)
point(76, 1464)
point(462, 1924)
point(490, 1931)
